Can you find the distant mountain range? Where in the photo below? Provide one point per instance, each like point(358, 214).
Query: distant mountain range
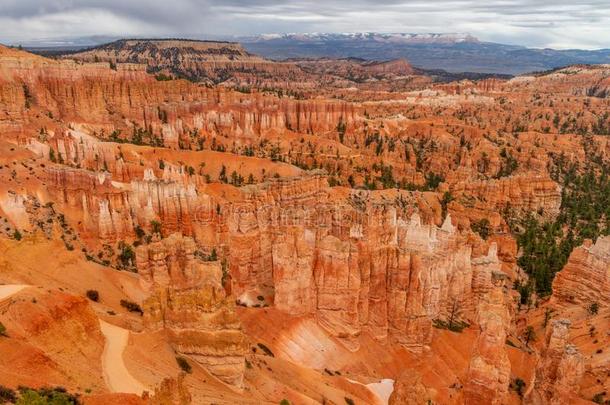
point(451, 52)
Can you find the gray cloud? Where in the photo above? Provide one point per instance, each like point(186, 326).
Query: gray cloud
point(539, 23)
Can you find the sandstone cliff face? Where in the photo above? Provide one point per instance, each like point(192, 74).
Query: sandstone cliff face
point(489, 371)
point(585, 279)
point(560, 368)
point(521, 193)
point(112, 210)
point(578, 80)
point(353, 264)
point(409, 389)
point(117, 149)
point(187, 300)
point(92, 93)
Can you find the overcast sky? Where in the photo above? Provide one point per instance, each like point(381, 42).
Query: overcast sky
point(536, 23)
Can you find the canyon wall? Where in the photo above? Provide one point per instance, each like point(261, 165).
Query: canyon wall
point(355, 264)
point(585, 279)
point(94, 95)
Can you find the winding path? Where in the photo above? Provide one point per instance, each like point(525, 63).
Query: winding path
point(116, 374)
point(382, 390)
point(9, 289)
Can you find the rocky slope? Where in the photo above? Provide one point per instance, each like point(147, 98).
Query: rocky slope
point(199, 61)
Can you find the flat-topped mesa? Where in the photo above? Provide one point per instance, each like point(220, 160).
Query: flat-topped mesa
point(585, 279)
point(576, 80)
point(191, 59)
point(560, 368)
point(187, 299)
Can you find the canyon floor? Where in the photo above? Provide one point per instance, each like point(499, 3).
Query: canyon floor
point(185, 222)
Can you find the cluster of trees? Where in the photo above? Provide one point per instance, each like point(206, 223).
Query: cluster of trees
point(38, 396)
point(509, 164)
point(584, 214)
point(386, 180)
point(236, 179)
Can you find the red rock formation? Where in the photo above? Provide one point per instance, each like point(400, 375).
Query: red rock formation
point(520, 193)
point(196, 60)
point(172, 391)
point(585, 279)
point(409, 389)
point(95, 94)
point(60, 332)
point(560, 368)
point(489, 371)
point(353, 264)
point(187, 299)
point(361, 263)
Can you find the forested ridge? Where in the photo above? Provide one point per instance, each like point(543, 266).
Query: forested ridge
point(545, 246)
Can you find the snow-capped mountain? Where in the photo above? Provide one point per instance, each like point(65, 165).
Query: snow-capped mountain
point(406, 38)
point(454, 52)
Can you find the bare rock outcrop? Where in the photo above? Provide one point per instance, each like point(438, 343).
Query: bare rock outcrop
point(354, 265)
point(560, 368)
point(489, 371)
point(520, 193)
point(409, 389)
point(187, 299)
point(585, 279)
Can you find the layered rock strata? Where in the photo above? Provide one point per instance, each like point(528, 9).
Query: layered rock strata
point(353, 264)
point(187, 300)
point(489, 370)
point(560, 368)
point(585, 279)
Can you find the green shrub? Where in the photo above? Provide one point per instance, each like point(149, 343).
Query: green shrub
point(599, 397)
point(349, 401)
point(529, 334)
point(132, 306)
point(46, 396)
point(265, 349)
point(481, 227)
point(127, 255)
point(2, 329)
point(161, 77)
point(155, 227)
point(93, 295)
point(139, 232)
point(184, 364)
point(518, 385)
point(7, 395)
point(17, 235)
point(455, 326)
